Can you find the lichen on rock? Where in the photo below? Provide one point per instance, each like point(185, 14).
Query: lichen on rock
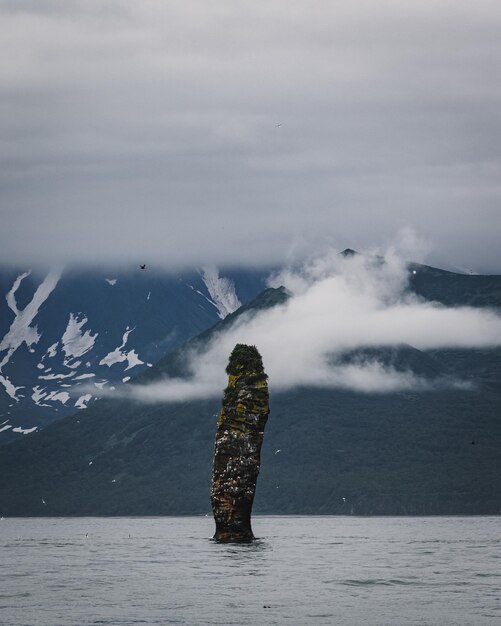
point(239, 437)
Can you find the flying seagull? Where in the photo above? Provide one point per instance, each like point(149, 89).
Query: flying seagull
point(278, 125)
point(143, 266)
point(43, 502)
point(278, 451)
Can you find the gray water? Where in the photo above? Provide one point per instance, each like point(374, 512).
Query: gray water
point(302, 570)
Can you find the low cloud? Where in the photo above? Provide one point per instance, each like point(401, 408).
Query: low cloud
point(338, 305)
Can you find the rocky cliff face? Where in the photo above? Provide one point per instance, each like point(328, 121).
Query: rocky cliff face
point(239, 438)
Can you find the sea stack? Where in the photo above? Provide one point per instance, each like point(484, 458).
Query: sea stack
point(239, 437)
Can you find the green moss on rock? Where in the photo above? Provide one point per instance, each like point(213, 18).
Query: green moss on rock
point(239, 437)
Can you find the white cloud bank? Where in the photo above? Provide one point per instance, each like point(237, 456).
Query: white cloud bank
point(339, 304)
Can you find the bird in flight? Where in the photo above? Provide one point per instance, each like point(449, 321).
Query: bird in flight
point(278, 125)
point(143, 266)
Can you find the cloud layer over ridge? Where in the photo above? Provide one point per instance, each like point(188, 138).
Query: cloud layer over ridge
point(338, 305)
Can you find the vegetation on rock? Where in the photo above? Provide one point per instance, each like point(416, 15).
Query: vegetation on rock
point(237, 450)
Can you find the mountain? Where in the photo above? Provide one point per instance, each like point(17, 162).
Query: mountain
point(66, 336)
point(325, 451)
point(453, 289)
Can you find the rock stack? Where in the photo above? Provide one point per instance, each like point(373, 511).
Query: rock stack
point(239, 438)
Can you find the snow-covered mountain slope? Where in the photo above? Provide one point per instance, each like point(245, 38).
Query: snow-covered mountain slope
point(65, 336)
point(221, 290)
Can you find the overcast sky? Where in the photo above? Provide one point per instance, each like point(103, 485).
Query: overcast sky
point(183, 132)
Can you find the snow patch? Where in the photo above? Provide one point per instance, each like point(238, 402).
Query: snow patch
point(82, 376)
point(221, 290)
point(10, 388)
point(111, 281)
point(118, 355)
point(40, 366)
point(2, 428)
point(11, 296)
point(75, 342)
point(133, 360)
point(61, 396)
point(56, 376)
point(24, 431)
point(81, 402)
point(101, 384)
point(38, 394)
point(125, 379)
point(52, 350)
point(20, 330)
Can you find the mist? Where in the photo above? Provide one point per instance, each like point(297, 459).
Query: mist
point(337, 305)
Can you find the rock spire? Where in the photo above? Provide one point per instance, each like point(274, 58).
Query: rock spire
point(237, 450)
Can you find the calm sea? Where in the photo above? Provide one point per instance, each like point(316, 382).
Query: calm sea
point(302, 570)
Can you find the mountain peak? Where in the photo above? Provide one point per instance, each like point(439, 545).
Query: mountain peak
point(347, 252)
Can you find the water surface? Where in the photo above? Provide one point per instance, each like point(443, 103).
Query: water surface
point(302, 570)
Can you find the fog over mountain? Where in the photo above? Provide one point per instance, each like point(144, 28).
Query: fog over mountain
point(339, 304)
point(182, 133)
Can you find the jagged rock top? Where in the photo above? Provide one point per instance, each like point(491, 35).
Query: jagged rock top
point(245, 403)
point(245, 359)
